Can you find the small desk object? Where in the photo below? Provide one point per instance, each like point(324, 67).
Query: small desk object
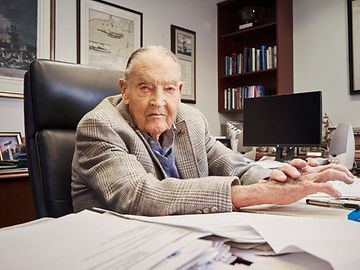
point(354, 215)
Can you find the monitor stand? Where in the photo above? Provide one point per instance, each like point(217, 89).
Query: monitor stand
point(290, 153)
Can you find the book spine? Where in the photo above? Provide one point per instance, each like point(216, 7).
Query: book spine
point(245, 59)
point(263, 57)
point(253, 59)
point(275, 56)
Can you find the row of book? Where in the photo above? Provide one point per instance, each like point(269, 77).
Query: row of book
point(251, 59)
point(234, 97)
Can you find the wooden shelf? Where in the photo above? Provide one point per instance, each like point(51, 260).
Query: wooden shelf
point(251, 31)
point(270, 72)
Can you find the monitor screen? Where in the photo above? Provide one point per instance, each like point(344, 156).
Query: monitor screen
point(283, 120)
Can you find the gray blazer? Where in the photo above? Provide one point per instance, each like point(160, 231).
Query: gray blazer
point(114, 167)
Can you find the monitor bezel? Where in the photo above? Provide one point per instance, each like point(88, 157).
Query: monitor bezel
point(267, 144)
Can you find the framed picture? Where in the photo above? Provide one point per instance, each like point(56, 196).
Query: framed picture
point(8, 143)
point(107, 34)
point(354, 45)
point(24, 36)
point(183, 45)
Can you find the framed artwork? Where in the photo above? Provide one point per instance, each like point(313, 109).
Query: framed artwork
point(354, 45)
point(8, 143)
point(183, 45)
point(107, 34)
point(22, 39)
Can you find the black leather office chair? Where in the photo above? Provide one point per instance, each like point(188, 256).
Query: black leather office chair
point(56, 96)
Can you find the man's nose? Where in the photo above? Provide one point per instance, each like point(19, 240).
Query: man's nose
point(158, 98)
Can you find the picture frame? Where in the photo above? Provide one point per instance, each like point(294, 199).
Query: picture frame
point(8, 143)
point(11, 76)
point(183, 45)
point(107, 34)
point(353, 7)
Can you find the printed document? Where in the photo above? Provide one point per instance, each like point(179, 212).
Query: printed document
point(90, 240)
point(335, 241)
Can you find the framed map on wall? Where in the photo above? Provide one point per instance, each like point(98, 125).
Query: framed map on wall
point(107, 34)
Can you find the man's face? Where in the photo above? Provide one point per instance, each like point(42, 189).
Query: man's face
point(152, 93)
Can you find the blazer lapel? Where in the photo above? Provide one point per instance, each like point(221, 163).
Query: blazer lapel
point(184, 153)
point(158, 167)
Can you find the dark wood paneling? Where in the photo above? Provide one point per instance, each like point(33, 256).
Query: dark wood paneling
point(16, 200)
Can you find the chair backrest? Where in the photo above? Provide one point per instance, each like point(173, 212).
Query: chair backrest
point(56, 96)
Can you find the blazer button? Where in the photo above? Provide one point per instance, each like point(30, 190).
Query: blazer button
point(198, 211)
point(214, 209)
point(206, 210)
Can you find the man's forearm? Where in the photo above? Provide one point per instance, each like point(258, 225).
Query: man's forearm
point(242, 196)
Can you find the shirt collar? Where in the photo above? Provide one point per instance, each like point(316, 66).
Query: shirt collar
point(167, 138)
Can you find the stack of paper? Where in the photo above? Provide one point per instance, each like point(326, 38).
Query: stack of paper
point(334, 241)
point(89, 240)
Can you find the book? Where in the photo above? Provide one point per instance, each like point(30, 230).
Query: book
point(275, 56)
point(253, 59)
point(263, 57)
point(245, 59)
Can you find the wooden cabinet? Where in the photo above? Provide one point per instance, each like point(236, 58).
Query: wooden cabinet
point(16, 200)
point(274, 28)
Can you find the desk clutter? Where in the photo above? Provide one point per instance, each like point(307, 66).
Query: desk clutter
point(108, 240)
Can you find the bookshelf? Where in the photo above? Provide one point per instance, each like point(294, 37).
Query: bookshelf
point(273, 69)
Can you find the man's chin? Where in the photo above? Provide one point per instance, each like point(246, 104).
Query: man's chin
point(157, 129)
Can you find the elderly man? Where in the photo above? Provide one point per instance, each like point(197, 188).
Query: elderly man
point(146, 153)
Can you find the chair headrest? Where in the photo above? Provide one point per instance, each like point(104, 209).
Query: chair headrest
point(62, 93)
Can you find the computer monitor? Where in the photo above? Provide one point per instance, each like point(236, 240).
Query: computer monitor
point(283, 121)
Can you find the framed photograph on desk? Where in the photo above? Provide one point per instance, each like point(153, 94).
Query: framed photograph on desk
point(183, 45)
point(8, 143)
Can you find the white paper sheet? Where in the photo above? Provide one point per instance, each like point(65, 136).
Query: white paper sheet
point(335, 241)
point(223, 225)
point(89, 240)
point(293, 261)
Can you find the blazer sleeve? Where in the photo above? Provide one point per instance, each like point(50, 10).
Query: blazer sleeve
point(224, 161)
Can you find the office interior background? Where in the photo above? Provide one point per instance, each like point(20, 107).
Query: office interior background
point(320, 48)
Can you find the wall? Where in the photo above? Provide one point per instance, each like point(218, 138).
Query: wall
point(321, 56)
point(158, 15)
point(320, 52)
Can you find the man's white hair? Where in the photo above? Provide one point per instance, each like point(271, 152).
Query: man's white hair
point(151, 49)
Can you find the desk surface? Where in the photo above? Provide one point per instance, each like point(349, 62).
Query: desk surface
point(299, 209)
point(17, 173)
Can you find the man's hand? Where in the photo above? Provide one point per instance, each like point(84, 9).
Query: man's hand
point(299, 167)
point(292, 183)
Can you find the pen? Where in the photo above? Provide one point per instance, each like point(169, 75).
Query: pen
point(333, 204)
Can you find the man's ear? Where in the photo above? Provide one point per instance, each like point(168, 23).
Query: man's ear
point(124, 90)
point(180, 87)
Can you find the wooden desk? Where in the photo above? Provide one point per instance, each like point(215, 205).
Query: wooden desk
point(16, 200)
